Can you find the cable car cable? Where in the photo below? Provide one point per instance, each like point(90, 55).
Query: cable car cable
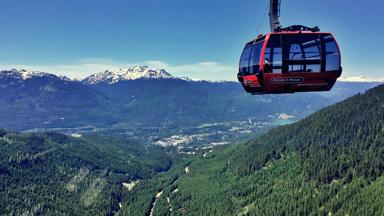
point(262, 19)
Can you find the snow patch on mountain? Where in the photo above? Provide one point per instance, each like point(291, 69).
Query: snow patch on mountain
point(133, 73)
point(284, 116)
point(65, 78)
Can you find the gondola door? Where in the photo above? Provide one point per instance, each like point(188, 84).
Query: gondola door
point(305, 60)
point(275, 80)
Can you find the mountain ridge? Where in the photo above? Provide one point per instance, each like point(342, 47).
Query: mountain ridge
point(132, 73)
point(24, 74)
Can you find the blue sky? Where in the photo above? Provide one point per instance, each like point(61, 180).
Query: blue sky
point(197, 38)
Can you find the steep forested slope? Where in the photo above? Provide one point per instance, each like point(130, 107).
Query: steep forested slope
point(53, 174)
point(331, 163)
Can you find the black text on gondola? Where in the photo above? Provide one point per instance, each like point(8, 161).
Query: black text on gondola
point(279, 80)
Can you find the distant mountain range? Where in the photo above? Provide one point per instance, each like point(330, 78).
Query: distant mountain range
point(143, 97)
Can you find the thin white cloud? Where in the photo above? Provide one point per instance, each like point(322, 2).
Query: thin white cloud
point(201, 70)
point(362, 74)
point(366, 71)
point(361, 79)
point(86, 67)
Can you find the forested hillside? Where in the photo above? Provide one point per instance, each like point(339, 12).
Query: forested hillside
point(53, 174)
point(331, 163)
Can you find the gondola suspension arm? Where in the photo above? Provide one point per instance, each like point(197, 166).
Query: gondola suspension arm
point(274, 15)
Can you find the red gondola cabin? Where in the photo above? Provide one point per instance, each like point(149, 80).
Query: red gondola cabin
point(295, 59)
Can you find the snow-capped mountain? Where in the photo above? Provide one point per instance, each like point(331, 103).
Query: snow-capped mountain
point(24, 74)
point(133, 73)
